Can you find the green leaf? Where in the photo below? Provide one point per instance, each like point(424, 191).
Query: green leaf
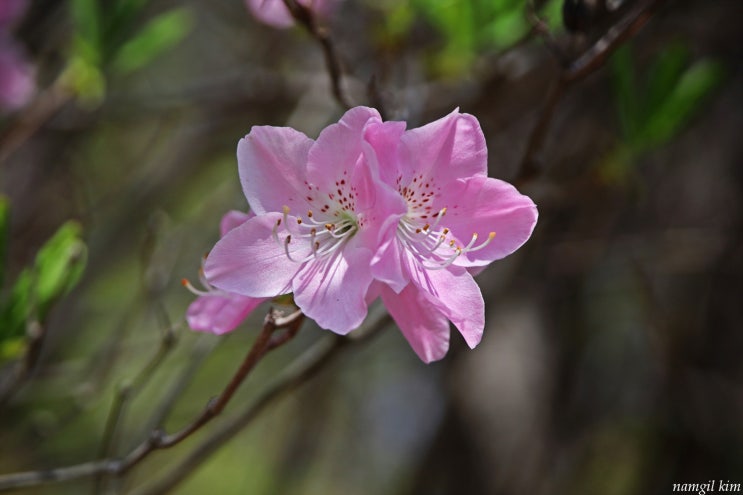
point(4, 235)
point(85, 79)
point(663, 76)
point(552, 13)
point(627, 98)
point(59, 266)
point(682, 103)
point(87, 19)
point(17, 309)
point(11, 348)
point(507, 28)
point(160, 34)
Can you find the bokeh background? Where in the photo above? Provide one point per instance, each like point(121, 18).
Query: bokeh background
point(611, 360)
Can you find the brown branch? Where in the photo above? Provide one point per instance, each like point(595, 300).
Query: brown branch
point(46, 105)
point(590, 61)
point(24, 368)
point(158, 439)
point(305, 367)
point(307, 19)
point(128, 391)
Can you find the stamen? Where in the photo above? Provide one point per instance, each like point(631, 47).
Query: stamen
point(185, 283)
point(491, 236)
point(275, 231)
point(286, 248)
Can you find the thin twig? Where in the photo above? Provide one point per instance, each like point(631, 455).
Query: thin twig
point(306, 17)
point(46, 105)
point(24, 368)
point(126, 392)
point(306, 366)
point(201, 350)
point(158, 439)
point(590, 61)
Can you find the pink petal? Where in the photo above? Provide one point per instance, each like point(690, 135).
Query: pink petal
point(232, 219)
point(248, 261)
point(455, 293)
point(17, 84)
point(425, 328)
point(384, 138)
point(271, 162)
point(483, 205)
point(338, 149)
point(274, 12)
point(220, 314)
point(388, 264)
point(271, 12)
point(332, 291)
point(10, 11)
point(449, 148)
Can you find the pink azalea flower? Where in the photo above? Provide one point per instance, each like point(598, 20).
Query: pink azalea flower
point(16, 73)
point(456, 220)
point(275, 13)
point(372, 210)
point(17, 84)
point(10, 11)
point(318, 209)
point(218, 311)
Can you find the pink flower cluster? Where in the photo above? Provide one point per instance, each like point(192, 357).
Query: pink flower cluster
point(369, 210)
point(275, 13)
point(16, 73)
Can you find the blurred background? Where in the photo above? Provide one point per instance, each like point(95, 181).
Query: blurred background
point(611, 360)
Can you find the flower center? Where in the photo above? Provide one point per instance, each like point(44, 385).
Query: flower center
point(323, 237)
point(420, 230)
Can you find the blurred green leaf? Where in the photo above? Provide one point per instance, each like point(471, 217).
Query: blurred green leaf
point(627, 96)
point(124, 12)
point(551, 12)
point(663, 76)
point(87, 19)
point(84, 77)
point(507, 28)
point(59, 266)
point(160, 34)
point(4, 235)
point(455, 21)
point(681, 104)
point(57, 269)
point(17, 309)
point(398, 19)
point(12, 348)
